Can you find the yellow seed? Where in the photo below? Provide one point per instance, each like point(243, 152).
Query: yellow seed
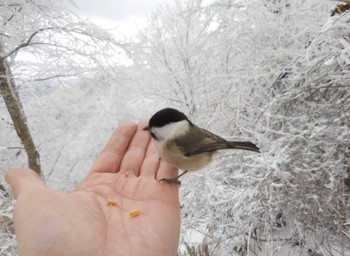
point(126, 174)
point(134, 213)
point(109, 182)
point(111, 202)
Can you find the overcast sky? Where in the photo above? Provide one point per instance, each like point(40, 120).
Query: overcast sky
point(118, 10)
point(122, 15)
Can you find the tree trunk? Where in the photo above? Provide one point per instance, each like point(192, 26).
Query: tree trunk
point(14, 106)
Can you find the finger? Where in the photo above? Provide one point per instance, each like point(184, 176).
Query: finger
point(151, 163)
point(136, 152)
point(111, 156)
point(23, 180)
point(166, 170)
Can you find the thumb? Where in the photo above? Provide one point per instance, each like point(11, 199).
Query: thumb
point(23, 180)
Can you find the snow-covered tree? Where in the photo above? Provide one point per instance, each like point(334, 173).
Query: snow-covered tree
point(40, 43)
point(275, 72)
point(44, 51)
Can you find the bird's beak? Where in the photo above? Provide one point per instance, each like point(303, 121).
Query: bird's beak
point(147, 128)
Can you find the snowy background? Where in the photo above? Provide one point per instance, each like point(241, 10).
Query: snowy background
point(276, 72)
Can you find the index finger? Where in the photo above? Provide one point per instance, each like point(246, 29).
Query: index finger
point(111, 156)
point(136, 152)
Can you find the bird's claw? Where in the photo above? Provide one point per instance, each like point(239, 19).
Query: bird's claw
point(171, 180)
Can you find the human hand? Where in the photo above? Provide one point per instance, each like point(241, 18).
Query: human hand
point(51, 222)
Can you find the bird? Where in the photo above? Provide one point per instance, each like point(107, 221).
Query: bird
point(186, 146)
point(341, 8)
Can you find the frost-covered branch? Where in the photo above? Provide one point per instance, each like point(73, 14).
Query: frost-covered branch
point(277, 73)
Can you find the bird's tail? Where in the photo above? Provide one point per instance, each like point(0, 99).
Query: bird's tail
point(244, 145)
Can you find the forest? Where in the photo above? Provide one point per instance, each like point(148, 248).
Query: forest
point(275, 72)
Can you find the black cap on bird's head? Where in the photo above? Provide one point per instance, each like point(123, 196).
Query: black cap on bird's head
point(164, 117)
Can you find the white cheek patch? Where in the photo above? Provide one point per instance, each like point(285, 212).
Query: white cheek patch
point(171, 130)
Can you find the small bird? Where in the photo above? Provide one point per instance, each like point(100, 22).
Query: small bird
point(341, 8)
point(185, 145)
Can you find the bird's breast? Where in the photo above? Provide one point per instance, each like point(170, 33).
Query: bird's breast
point(173, 155)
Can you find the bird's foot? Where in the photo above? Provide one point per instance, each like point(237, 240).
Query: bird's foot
point(172, 180)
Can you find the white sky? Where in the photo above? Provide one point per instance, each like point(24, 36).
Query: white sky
point(123, 16)
point(115, 9)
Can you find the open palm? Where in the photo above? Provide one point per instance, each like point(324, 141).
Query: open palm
point(51, 222)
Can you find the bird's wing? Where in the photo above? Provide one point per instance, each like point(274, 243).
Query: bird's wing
point(206, 148)
point(201, 141)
